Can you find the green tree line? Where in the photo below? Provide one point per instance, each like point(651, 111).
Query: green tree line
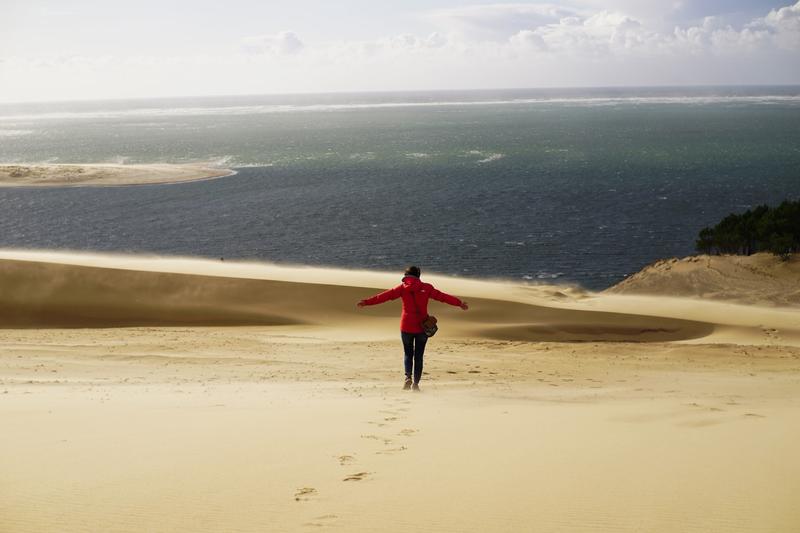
point(762, 229)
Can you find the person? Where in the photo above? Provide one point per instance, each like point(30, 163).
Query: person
point(415, 294)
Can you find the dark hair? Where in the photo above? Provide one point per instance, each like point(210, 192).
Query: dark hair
point(413, 271)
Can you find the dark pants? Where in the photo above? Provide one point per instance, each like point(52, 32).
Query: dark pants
point(414, 347)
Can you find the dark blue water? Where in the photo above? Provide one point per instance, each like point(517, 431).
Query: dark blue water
point(584, 190)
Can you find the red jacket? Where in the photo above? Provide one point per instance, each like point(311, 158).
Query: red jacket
point(413, 291)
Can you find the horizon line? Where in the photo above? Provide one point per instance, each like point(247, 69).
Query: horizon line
point(400, 91)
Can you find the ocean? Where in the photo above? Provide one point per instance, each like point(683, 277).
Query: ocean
point(582, 186)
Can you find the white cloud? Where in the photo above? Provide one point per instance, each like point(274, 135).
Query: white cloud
point(498, 21)
point(281, 43)
point(783, 24)
point(608, 34)
point(528, 39)
point(500, 45)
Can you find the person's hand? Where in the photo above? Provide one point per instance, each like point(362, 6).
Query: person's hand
point(361, 303)
point(464, 306)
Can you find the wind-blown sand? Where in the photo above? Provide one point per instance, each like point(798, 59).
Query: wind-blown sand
point(761, 279)
point(58, 175)
point(176, 394)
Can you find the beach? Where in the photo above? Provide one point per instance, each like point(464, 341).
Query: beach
point(163, 394)
point(201, 208)
point(87, 175)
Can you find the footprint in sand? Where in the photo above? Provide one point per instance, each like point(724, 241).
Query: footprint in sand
point(754, 415)
point(705, 407)
point(345, 459)
point(376, 437)
point(390, 451)
point(772, 334)
point(408, 432)
point(322, 521)
point(304, 493)
point(356, 477)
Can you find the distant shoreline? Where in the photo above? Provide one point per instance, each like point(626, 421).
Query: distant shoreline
point(105, 175)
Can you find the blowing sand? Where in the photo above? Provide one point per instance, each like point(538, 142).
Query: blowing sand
point(760, 279)
point(145, 394)
point(57, 175)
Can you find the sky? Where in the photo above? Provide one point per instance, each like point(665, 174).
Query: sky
point(97, 49)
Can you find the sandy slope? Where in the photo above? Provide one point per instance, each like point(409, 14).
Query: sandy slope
point(293, 420)
point(64, 175)
point(47, 289)
point(133, 292)
point(761, 279)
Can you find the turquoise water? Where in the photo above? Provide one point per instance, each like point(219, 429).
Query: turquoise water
point(577, 185)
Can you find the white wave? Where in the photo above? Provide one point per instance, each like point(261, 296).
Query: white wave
point(293, 108)
point(223, 161)
point(490, 158)
point(366, 156)
point(15, 133)
point(417, 155)
point(253, 165)
point(548, 275)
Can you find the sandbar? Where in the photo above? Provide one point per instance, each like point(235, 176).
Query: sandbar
point(105, 175)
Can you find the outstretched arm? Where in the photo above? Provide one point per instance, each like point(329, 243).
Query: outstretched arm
point(385, 296)
point(448, 299)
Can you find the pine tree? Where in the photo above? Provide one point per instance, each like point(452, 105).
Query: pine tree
point(763, 229)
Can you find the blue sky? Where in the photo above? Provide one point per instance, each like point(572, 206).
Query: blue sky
point(86, 49)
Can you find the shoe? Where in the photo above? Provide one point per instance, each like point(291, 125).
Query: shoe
point(407, 384)
point(415, 387)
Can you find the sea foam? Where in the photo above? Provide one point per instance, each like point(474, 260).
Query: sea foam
point(8, 115)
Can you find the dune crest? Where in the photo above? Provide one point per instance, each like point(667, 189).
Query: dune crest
point(59, 290)
point(759, 279)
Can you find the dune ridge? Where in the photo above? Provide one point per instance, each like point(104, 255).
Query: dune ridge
point(45, 290)
point(760, 279)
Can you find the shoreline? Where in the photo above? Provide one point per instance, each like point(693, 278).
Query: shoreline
point(106, 175)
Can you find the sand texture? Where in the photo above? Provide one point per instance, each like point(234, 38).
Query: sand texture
point(761, 279)
point(152, 394)
point(57, 175)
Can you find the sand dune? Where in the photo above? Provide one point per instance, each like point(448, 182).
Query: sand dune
point(42, 289)
point(685, 418)
point(761, 279)
point(95, 175)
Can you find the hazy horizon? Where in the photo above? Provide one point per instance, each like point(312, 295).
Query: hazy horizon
point(89, 50)
point(686, 87)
